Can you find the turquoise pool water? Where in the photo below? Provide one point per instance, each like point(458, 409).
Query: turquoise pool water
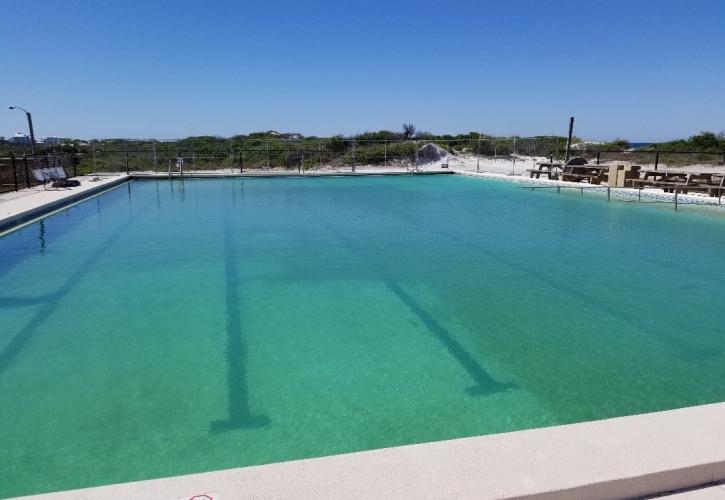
point(167, 328)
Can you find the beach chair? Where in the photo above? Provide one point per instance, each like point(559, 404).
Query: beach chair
point(42, 176)
point(60, 178)
point(54, 175)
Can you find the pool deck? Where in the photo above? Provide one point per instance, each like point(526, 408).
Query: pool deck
point(24, 206)
point(621, 457)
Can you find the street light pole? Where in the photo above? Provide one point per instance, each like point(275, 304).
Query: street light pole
point(30, 126)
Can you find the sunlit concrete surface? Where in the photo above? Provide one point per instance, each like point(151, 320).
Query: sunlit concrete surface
point(18, 207)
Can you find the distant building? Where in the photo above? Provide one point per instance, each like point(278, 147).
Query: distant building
point(19, 139)
point(54, 141)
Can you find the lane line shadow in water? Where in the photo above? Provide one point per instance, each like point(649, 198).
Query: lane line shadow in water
point(239, 413)
point(484, 383)
point(682, 347)
point(53, 300)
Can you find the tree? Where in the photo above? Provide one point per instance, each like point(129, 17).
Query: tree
point(408, 130)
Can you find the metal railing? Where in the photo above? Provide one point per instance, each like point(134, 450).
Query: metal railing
point(332, 153)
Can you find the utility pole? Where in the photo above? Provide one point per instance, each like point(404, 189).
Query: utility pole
point(568, 141)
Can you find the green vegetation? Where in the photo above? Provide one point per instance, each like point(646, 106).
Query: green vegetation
point(703, 142)
point(294, 151)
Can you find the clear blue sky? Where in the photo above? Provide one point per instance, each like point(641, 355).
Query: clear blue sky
point(642, 70)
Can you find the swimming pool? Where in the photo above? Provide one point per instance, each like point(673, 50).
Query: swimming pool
point(165, 328)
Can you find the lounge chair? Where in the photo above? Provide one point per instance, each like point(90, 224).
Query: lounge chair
point(60, 178)
point(54, 175)
point(42, 176)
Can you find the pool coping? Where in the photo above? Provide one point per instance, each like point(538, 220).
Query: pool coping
point(621, 457)
point(62, 200)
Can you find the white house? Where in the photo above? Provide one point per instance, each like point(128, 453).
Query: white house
point(19, 138)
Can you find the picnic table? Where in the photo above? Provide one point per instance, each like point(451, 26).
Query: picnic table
point(712, 183)
point(550, 169)
point(593, 174)
point(683, 182)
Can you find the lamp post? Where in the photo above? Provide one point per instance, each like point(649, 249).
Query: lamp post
point(30, 126)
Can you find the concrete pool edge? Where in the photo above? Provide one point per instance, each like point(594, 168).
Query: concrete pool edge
point(28, 210)
point(620, 457)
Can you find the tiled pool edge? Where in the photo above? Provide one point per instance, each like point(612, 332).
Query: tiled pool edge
point(620, 457)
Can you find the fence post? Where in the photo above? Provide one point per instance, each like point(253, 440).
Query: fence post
point(495, 153)
point(319, 154)
point(15, 171)
point(193, 158)
point(417, 159)
point(266, 143)
point(599, 152)
point(94, 158)
point(676, 191)
point(385, 153)
point(353, 155)
point(27, 176)
point(125, 154)
point(241, 160)
point(75, 164)
point(156, 162)
point(478, 154)
point(657, 159)
point(286, 154)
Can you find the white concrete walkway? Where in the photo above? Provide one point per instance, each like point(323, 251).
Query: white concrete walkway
point(19, 205)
